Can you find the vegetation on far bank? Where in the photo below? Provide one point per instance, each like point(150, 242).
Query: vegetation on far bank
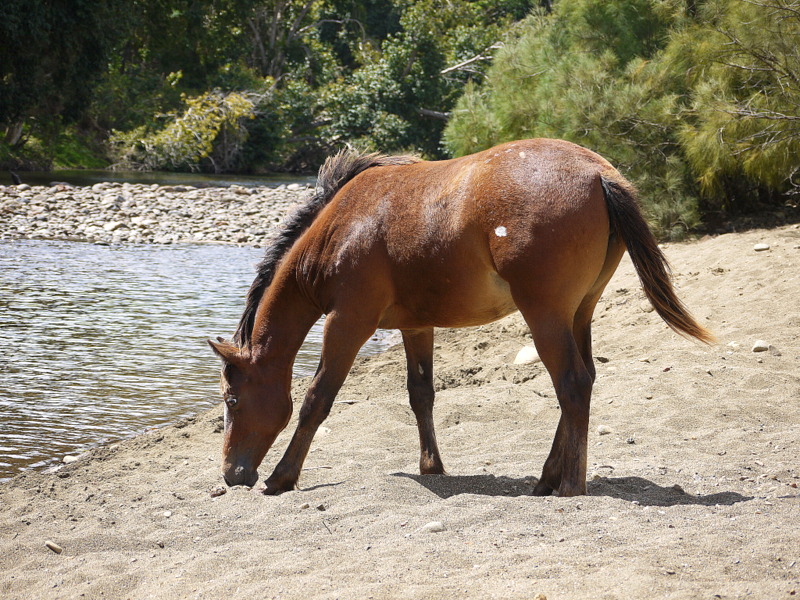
point(695, 100)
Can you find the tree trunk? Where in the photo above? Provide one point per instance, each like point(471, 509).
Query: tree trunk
point(14, 134)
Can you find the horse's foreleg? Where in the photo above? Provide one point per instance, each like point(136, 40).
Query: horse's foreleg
point(419, 360)
point(565, 467)
point(342, 340)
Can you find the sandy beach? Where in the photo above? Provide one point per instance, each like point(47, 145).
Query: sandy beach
point(693, 458)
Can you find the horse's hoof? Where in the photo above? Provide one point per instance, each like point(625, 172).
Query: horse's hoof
point(432, 469)
point(274, 488)
point(567, 491)
point(542, 489)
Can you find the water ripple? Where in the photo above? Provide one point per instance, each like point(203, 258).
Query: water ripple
point(101, 342)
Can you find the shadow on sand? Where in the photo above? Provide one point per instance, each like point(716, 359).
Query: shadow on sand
point(630, 489)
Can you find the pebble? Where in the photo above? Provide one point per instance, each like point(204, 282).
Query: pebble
point(168, 513)
point(433, 527)
point(603, 430)
point(760, 346)
point(69, 459)
point(305, 505)
point(219, 491)
point(53, 546)
point(761, 247)
point(122, 213)
point(527, 355)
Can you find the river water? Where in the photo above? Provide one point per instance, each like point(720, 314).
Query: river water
point(101, 342)
point(92, 176)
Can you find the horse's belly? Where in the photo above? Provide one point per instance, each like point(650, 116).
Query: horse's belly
point(448, 303)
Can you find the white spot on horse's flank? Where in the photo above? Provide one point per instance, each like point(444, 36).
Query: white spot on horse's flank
point(522, 155)
point(501, 231)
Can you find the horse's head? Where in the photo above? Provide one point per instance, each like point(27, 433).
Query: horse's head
point(256, 411)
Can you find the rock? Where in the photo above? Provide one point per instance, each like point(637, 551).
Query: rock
point(305, 505)
point(23, 187)
point(527, 355)
point(630, 440)
point(219, 491)
point(760, 346)
point(645, 306)
point(321, 507)
point(69, 459)
point(112, 226)
point(761, 247)
point(603, 430)
point(167, 513)
point(53, 546)
point(433, 527)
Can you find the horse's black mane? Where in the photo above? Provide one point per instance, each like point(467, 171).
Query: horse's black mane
point(333, 175)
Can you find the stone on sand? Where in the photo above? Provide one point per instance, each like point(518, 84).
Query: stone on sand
point(760, 346)
point(433, 527)
point(527, 355)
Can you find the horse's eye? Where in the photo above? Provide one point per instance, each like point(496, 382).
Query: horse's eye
point(231, 401)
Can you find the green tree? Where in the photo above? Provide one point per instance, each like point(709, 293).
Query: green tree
point(587, 73)
point(52, 54)
point(743, 137)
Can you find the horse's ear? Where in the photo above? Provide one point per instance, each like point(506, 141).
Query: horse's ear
point(227, 351)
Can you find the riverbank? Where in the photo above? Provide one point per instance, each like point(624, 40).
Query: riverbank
point(116, 213)
point(693, 488)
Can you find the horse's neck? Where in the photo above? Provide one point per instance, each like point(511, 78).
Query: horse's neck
point(284, 318)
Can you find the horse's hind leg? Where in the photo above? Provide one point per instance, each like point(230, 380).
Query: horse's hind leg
point(419, 359)
point(565, 467)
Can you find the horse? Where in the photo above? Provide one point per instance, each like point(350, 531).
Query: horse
point(396, 242)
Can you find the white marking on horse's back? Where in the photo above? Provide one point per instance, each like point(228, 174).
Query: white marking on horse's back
point(501, 231)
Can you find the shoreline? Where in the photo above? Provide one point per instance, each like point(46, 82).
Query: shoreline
point(115, 213)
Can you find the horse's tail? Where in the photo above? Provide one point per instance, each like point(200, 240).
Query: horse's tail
point(333, 175)
point(651, 265)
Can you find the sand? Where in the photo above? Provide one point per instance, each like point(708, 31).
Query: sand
point(692, 492)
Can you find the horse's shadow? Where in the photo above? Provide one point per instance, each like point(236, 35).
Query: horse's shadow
point(630, 489)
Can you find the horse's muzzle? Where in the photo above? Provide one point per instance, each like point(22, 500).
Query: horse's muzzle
point(240, 475)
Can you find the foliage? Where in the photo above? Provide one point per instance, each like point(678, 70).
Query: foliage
point(209, 129)
point(585, 74)
point(51, 55)
point(691, 102)
point(745, 75)
point(376, 73)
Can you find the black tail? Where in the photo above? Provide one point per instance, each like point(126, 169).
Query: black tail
point(651, 265)
point(333, 175)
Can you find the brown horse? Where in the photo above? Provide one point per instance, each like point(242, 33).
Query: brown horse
point(537, 226)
